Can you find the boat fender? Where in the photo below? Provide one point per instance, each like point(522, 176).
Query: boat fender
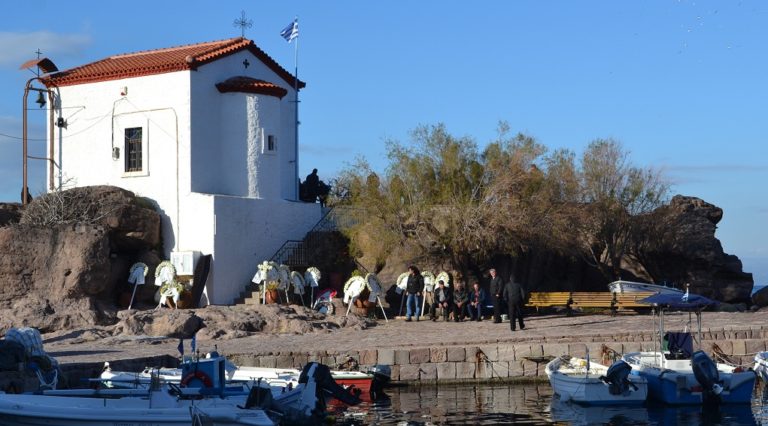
point(705, 371)
point(197, 375)
point(617, 378)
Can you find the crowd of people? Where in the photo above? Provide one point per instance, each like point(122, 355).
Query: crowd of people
point(465, 304)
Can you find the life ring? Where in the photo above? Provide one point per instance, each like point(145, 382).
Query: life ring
point(199, 375)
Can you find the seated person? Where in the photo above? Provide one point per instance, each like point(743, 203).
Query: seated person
point(476, 301)
point(442, 299)
point(460, 298)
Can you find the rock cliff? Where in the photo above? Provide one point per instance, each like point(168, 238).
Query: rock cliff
point(68, 272)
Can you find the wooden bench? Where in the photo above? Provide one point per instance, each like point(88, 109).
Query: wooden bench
point(583, 299)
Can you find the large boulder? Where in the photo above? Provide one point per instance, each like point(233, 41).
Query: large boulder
point(132, 222)
point(687, 252)
point(49, 276)
point(67, 259)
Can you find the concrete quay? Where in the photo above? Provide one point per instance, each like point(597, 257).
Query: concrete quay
point(430, 352)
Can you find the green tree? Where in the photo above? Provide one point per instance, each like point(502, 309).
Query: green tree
point(614, 193)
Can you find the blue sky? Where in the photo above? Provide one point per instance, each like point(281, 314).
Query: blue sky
point(682, 84)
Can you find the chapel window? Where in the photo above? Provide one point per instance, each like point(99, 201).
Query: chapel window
point(133, 149)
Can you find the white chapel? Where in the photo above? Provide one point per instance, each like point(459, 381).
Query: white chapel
point(207, 132)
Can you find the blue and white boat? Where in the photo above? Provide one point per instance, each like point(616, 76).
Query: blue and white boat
point(678, 375)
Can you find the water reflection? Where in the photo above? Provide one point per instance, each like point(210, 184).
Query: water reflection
point(532, 404)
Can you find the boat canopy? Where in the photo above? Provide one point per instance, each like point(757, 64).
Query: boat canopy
point(686, 302)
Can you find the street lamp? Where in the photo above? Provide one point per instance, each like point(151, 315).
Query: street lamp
point(47, 67)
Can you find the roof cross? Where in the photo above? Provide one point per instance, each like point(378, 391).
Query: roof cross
point(243, 23)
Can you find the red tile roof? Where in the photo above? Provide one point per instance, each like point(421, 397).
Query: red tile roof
point(159, 61)
point(251, 85)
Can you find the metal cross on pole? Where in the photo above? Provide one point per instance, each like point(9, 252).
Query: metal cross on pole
point(243, 23)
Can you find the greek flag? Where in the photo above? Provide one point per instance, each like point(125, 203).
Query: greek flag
point(194, 342)
point(291, 31)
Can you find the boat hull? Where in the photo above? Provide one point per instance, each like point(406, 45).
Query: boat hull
point(635, 287)
point(677, 384)
point(571, 385)
point(76, 411)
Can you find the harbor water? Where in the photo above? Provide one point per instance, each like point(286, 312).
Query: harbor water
point(532, 404)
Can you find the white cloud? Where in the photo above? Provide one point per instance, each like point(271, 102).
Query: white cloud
point(17, 48)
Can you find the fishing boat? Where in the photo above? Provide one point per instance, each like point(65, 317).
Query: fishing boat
point(579, 380)
point(203, 393)
point(356, 382)
point(155, 407)
point(637, 287)
point(676, 373)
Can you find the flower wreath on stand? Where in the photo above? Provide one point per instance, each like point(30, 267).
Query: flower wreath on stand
point(165, 278)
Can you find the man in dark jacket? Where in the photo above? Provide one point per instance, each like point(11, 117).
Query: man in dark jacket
point(497, 286)
point(413, 290)
point(514, 294)
point(460, 298)
point(443, 297)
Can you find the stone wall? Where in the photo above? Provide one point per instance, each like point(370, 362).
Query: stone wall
point(517, 361)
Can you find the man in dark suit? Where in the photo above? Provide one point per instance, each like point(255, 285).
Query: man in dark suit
point(514, 294)
point(497, 286)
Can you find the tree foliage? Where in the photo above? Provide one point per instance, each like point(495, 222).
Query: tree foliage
point(460, 205)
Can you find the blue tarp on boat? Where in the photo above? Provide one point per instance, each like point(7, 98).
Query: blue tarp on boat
point(686, 302)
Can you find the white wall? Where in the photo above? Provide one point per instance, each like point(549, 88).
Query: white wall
point(221, 121)
point(250, 231)
point(96, 116)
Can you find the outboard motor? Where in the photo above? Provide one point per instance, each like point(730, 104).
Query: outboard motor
point(617, 378)
point(705, 371)
point(382, 374)
point(322, 377)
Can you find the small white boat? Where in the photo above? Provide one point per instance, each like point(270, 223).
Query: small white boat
point(154, 407)
point(357, 383)
point(585, 382)
point(636, 287)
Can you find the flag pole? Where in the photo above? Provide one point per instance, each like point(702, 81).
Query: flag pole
point(296, 89)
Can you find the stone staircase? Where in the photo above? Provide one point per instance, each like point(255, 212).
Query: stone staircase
point(298, 254)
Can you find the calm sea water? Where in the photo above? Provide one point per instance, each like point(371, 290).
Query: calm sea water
point(531, 404)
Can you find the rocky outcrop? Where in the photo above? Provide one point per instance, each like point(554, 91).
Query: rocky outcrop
point(68, 273)
point(687, 252)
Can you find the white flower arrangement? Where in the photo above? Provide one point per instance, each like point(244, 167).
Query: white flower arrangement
point(312, 277)
point(402, 282)
point(429, 281)
point(165, 272)
point(285, 277)
point(374, 285)
point(298, 283)
point(353, 287)
point(445, 277)
point(267, 272)
point(137, 273)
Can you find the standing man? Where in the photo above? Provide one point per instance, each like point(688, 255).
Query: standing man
point(414, 288)
point(514, 294)
point(497, 287)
